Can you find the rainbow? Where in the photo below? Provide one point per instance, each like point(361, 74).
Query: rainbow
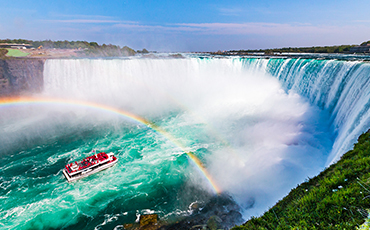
point(9, 101)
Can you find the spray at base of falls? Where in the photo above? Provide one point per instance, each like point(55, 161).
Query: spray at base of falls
point(245, 119)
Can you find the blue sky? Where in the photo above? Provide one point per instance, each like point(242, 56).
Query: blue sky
point(192, 25)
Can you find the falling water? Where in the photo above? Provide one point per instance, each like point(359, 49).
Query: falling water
point(260, 127)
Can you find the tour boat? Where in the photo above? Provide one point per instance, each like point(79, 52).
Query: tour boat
point(89, 165)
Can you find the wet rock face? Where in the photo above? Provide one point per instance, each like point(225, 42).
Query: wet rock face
point(146, 222)
point(221, 212)
point(19, 76)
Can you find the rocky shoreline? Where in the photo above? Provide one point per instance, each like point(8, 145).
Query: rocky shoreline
point(220, 212)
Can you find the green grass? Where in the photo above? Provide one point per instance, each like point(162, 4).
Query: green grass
point(16, 53)
point(338, 198)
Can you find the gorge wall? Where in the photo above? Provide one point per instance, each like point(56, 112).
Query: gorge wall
point(18, 76)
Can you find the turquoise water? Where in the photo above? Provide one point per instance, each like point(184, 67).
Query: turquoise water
point(260, 126)
point(147, 178)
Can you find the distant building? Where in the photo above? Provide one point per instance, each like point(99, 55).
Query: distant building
point(360, 49)
point(15, 46)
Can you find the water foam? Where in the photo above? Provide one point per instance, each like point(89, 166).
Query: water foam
point(340, 87)
point(244, 118)
point(244, 106)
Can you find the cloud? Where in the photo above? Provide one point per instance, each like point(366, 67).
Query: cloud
point(58, 15)
point(141, 27)
point(93, 21)
point(191, 36)
point(249, 28)
point(213, 28)
point(256, 28)
point(230, 11)
point(361, 21)
point(84, 19)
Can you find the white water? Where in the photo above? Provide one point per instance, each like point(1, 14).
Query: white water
point(340, 87)
point(260, 141)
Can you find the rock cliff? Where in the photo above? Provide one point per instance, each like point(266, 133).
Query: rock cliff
point(19, 76)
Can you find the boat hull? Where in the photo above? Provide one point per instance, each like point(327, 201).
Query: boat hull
point(88, 172)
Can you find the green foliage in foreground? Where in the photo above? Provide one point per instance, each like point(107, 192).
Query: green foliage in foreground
point(338, 198)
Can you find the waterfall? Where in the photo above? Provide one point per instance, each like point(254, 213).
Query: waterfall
point(260, 126)
point(341, 87)
point(256, 123)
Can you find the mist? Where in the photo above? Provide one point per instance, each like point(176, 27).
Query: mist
point(256, 140)
point(260, 140)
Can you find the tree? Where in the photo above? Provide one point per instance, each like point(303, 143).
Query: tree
point(3, 52)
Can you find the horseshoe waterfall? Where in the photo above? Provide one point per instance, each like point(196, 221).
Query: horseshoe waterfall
point(258, 126)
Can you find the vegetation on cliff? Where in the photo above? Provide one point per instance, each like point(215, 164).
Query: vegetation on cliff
point(318, 49)
point(338, 198)
point(91, 49)
point(3, 52)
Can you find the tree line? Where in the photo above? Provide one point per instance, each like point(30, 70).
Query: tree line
point(86, 48)
point(315, 49)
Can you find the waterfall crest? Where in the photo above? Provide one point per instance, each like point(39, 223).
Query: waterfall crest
point(341, 87)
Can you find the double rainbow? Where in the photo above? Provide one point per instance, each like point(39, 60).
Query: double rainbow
point(37, 100)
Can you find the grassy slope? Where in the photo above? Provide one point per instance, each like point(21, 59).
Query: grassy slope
point(338, 198)
point(16, 53)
